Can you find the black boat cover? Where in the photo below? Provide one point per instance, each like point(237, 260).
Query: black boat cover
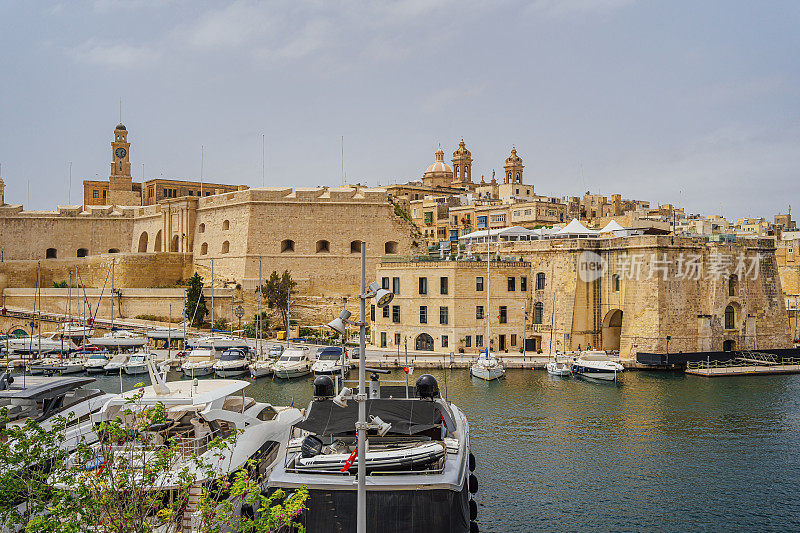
point(407, 417)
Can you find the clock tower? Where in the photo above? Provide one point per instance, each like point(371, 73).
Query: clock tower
point(120, 183)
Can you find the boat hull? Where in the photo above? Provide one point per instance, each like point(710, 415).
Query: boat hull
point(558, 369)
point(292, 373)
point(231, 371)
point(260, 371)
point(604, 375)
point(487, 373)
point(135, 369)
point(197, 371)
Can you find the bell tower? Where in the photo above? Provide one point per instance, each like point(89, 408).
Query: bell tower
point(120, 183)
point(2, 192)
point(513, 168)
point(462, 166)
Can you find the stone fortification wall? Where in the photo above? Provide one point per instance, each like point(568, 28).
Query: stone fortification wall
point(30, 234)
point(130, 270)
point(313, 233)
point(658, 294)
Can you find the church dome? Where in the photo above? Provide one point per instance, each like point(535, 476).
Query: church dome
point(439, 166)
point(120, 126)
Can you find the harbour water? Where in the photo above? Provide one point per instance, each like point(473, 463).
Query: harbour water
point(655, 452)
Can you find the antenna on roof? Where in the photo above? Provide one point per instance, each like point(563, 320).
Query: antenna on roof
point(342, 160)
point(262, 158)
point(120, 110)
point(202, 160)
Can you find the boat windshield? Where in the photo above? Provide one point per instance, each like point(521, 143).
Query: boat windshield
point(232, 355)
point(98, 356)
point(329, 357)
point(291, 358)
point(136, 359)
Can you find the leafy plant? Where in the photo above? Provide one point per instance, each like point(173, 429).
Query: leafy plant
point(275, 293)
point(196, 309)
point(136, 478)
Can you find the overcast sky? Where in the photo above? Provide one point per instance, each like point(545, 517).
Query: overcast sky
point(694, 103)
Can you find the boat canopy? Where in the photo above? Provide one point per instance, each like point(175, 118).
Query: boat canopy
point(407, 417)
point(42, 387)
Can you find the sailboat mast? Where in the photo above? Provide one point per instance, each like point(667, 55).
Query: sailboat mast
point(488, 312)
point(112, 294)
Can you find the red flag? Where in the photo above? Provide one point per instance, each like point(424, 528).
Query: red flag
point(350, 460)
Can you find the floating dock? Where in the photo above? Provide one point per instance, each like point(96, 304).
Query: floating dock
point(747, 364)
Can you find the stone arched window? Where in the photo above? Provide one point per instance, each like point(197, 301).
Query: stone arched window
point(226, 247)
point(82, 252)
point(540, 279)
point(287, 245)
point(51, 253)
point(730, 317)
point(538, 312)
point(390, 247)
point(323, 246)
point(517, 176)
point(733, 285)
point(456, 169)
point(466, 171)
point(226, 224)
point(615, 282)
point(355, 247)
point(204, 248)
point(201, 228)
point(509, 175)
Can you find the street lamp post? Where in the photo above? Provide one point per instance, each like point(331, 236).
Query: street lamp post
point(382, 298)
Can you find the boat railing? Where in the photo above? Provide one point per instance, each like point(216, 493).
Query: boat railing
point(741, 362)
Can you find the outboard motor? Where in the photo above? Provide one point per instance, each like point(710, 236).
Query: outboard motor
point(323, 388)
point(427, 387)
point(311, 446)
point(374, 386)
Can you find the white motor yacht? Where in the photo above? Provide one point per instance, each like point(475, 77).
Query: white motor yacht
point(217, 343)
point(136, 364)
point(558, 368)
point(596, 365)
point(232, 363)
point(96, 362)
point(198, 412)
point(199, 362)
point(487, 367)
point(331, 361)
point(294, 363)
point(46, 398)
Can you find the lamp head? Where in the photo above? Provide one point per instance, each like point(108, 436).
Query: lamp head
point(382, 427)
point(341, 398)
point(383, 297)
point(337, 325)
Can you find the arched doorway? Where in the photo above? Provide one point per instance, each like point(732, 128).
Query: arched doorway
point(157, 244)
point(425, 342)
point(143, 242)
point(612, 330)
point(729, 345)
point(174, 246)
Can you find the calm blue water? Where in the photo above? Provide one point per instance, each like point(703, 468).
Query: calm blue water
point(656, 452)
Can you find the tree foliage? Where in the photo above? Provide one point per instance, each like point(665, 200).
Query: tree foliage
point(196, 309)
point(133, 478)
point(275, 293)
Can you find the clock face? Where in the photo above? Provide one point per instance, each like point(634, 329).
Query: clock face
point(120, 152)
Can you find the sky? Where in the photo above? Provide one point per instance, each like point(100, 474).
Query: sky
point(684, 102)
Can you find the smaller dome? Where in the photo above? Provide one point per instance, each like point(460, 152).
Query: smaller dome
point(439, 165)
point(121, 126)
